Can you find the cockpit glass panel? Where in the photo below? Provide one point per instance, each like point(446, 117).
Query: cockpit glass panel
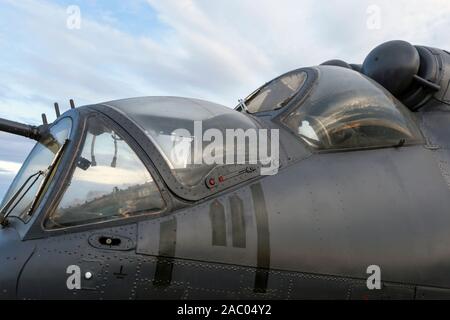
point(184, 131)
point(33, 172)
point(109, 182)
point(184, 144)
point(347, 110)
point(276, 93)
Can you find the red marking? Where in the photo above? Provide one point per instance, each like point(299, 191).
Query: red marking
point(221, 179)
point(212, 181)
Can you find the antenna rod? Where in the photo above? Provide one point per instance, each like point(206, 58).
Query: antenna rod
point(44, 119)
point(20, 129)
point(72, 104)
point(58, 113)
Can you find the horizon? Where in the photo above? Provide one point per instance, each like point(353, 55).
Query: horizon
point(220, 51)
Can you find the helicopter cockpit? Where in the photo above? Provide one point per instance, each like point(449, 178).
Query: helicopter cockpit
point(120, 157)
point(127, 158)
point(334, 108)
point(357, 113)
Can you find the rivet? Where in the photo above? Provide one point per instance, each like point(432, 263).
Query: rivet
point(88, 275)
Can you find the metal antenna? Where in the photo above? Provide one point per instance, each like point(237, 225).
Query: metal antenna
point(44, 119)
point(72, 104)
point(58, 114)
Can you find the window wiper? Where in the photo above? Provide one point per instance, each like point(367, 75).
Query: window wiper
point(7, 209)
point(48, 175)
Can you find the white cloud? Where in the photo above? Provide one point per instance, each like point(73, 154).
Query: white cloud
point(219, 50)
point(215, 50)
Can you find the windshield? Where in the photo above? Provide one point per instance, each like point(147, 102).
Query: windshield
point(177, 143)
point(109, 182)
point(276, 93)
point(185, 130)
point(38, 161)
point(348, 110)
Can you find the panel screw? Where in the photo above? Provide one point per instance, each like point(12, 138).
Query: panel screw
point(88, 275)
point(108, 241)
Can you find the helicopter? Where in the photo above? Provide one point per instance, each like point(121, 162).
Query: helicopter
point(110, 205)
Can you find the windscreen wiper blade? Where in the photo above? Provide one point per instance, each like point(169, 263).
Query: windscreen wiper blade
point(6, 210)
point(48, 175)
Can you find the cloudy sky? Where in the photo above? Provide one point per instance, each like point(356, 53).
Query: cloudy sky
point(218, 50)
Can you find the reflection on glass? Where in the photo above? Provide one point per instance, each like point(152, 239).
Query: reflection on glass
point(348, 110)
point(176, 140)
point(39, 159)
point(109, 182)
point(275, 93)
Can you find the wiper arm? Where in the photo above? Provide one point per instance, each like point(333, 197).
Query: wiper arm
point(48, 175)
point(6, 210)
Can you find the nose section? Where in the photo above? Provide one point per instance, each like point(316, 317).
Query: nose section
point(14, 253)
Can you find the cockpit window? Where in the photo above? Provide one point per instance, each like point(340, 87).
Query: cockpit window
point(184, 146)
point(23, 191)
point(347, 110)
point(109, 182)
point(187, 134)
point(276, 93)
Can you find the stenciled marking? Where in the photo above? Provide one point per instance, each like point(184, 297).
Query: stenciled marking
point(220, 219)
point(218, 224)
point(237, 222)
point(263, 239)
point(166, 253)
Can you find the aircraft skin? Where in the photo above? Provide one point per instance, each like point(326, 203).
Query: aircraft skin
point(308, 232)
